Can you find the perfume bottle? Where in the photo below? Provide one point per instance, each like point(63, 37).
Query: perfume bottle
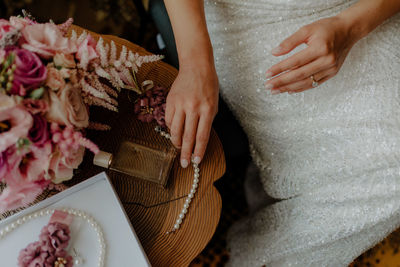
point(139, 160)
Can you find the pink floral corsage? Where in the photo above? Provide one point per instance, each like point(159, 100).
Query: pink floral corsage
point(49, 251)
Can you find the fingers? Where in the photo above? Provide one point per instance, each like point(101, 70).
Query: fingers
point(320, 77)
point(296, 75)
point(306, 83)
point(202, 137)
point(291, 42)
point(189, 137)
point(177, 128)
point(299, 59)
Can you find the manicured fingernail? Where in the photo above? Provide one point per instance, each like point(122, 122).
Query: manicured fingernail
point(197, 160)
point(268, 86)
point(275, 92)
point(268, 74)
point(276, 50)
point(184, 163)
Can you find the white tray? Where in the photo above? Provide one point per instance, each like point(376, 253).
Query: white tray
point(97, 197)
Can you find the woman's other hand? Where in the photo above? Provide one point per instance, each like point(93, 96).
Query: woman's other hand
point(328, 43)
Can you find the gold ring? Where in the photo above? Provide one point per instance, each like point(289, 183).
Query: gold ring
point(314, 82)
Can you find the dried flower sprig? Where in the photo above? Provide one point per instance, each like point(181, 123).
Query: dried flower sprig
point(118, 70)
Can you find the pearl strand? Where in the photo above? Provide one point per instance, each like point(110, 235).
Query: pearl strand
point(78, 213)
point(193, 190)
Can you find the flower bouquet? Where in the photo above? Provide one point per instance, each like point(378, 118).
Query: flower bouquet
point(48, 80)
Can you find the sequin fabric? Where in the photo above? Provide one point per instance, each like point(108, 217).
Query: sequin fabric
point(330, 154)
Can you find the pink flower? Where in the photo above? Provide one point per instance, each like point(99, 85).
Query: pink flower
point(19, 121)
point(64, 60)
point(27, 165)
point(35, 106)
point(151, 106)
point(20, 195)
point(32, 255)
point(54, 79)
point(67, 107)
point(56, 235)
point(3, 164)
point(61, 166)
point(20, 23)
point(6, 102)
point(5, 27)
point(24, 174)
point(87, 49)
point(46, 40)
point(53, 240)
point(30, 71)
point(39, 133)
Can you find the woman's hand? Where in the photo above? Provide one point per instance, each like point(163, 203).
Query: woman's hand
point(193, 99)
point(192, 104)
point(329, 41)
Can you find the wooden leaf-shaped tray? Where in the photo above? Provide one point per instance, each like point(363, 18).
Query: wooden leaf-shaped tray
point(151, 208)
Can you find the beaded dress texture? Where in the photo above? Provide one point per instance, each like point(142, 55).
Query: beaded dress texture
point(331, 155)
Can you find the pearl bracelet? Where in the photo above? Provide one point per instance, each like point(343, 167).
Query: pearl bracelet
point(193, 190)
point(78, 213)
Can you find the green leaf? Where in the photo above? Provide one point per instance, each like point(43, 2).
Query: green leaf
point(26, 142)
point(23, 142)
point(37, 93)
point(10, 59)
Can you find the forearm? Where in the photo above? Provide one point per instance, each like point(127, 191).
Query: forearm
point(190, 31)
point(364, 16)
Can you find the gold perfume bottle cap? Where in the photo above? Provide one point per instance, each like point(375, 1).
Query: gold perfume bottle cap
point(103, 159)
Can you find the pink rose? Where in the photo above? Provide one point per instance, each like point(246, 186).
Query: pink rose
point(87, 49)
point(46, 40)
point(5, 27)
point(35, 106)
point(67, 107)
point(20, 23)
point(64, 60)
point(30, 71)
point(54, 79)
point(39, 133)
point(18, 122)
point(61, 167)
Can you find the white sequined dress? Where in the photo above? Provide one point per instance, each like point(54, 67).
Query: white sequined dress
point(330, 154)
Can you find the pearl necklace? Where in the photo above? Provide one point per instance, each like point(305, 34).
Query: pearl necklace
point(193, 190)
point(78, 213)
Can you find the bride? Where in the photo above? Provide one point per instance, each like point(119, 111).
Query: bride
point(316, 86)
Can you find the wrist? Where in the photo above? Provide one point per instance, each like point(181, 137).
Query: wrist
point(364, 16)
point(198, 58)
point(199, 63)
